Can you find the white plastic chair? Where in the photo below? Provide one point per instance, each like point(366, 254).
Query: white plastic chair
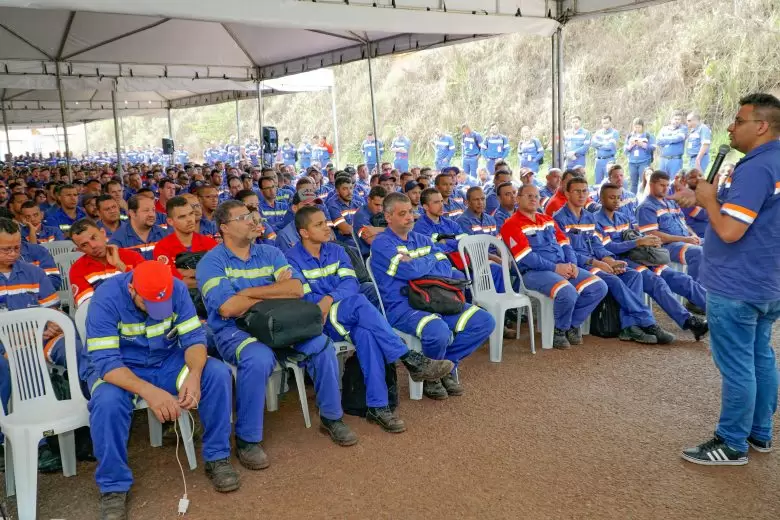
point(412, 342)
point(155, 426)
point(357, 244)
point(484, 293)
point(58, 247)
point(64, 262)
point(35, 410)
point(545, 323)
point(274, 384)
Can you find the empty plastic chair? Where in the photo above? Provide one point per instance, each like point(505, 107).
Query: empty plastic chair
point(483, 289)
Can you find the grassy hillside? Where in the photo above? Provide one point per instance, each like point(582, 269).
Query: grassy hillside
point(690, 55)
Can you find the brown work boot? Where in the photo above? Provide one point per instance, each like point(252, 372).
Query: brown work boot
point(113, 506)
point(385, 419)
point(251, 455)
point(223, 476)
point(453, 387)
point(422, 368)
point(339, 432)
point(434, 390)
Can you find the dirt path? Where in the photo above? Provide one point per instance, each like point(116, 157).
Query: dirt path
point(594, 432)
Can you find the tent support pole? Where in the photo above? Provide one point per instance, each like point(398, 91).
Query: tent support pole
point(5, 127)
point(116, 137)
point(86, 137)
point(555, 133)
point(238, 132)
point(260, 139)
point(64, 125)
point(373, 104)
point(559, 87)
point(335, 124)
point(170, 124)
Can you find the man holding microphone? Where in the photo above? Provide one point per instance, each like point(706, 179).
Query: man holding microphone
point(741, 272)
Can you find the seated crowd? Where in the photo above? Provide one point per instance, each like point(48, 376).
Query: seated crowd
point(268, 235)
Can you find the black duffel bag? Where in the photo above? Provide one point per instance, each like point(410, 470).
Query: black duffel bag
point(189, 260)
point(605, 318)
point(280, 323)
point(437, 294)
point(645, 255)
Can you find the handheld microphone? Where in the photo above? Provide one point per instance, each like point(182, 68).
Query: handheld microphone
point(716, 164)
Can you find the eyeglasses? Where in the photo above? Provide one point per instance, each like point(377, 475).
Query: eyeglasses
point(12, 250)
point(195, 206)
point(245, 217)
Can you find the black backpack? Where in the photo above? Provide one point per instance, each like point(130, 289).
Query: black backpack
point(353, 388)
point(437, 294)
point(605, 319)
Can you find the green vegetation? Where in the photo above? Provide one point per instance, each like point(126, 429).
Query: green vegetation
point(691, 55)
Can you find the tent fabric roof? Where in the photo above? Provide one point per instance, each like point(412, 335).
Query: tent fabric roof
point(33, 107)
point(179, 53)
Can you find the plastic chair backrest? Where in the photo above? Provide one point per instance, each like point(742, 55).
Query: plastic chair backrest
point(477, 247)
point(59, 246)
point(81, 321)
point(357, 243)
point(373, 280)
point(64, 262)
point(21, 333)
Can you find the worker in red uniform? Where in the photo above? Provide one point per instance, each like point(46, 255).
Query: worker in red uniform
point(100, 262)
point(181, 218)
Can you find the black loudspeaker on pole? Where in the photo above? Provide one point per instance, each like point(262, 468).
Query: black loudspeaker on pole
point(723, 151)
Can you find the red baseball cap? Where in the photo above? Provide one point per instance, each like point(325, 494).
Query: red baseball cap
point(153, 281)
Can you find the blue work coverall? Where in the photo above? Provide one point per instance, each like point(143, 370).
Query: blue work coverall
point(660, 282)
point(120, 335)
point(538, 245)
point(221, 275)
point(666, 216)
point(471, 145)
point(587, 244)
point(605, 143)
point(450, 337)
point(351, 317)
point(671, 144)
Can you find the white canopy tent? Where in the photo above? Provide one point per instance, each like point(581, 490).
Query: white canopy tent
point(230, 45)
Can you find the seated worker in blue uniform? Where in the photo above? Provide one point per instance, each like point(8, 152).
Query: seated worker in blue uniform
point(34, 231)
point(695, 216)
point(146, 341)
point(234, 276)
point(663, 218)
point(68, 211)
point(548, 265)
point(369, 220)
point(660, 282)
point(348, 315)
point(507, 204)
point(625, 284)
point(39, 256)
point(628, 201)
point(342, 207)
point(140, 233)
point(453, 203)
point(500, 177)
point(399, 255)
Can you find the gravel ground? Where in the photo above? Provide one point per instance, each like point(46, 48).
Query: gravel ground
point(593, 432)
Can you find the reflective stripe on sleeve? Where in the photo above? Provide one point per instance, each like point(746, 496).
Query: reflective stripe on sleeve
point(104, 343)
